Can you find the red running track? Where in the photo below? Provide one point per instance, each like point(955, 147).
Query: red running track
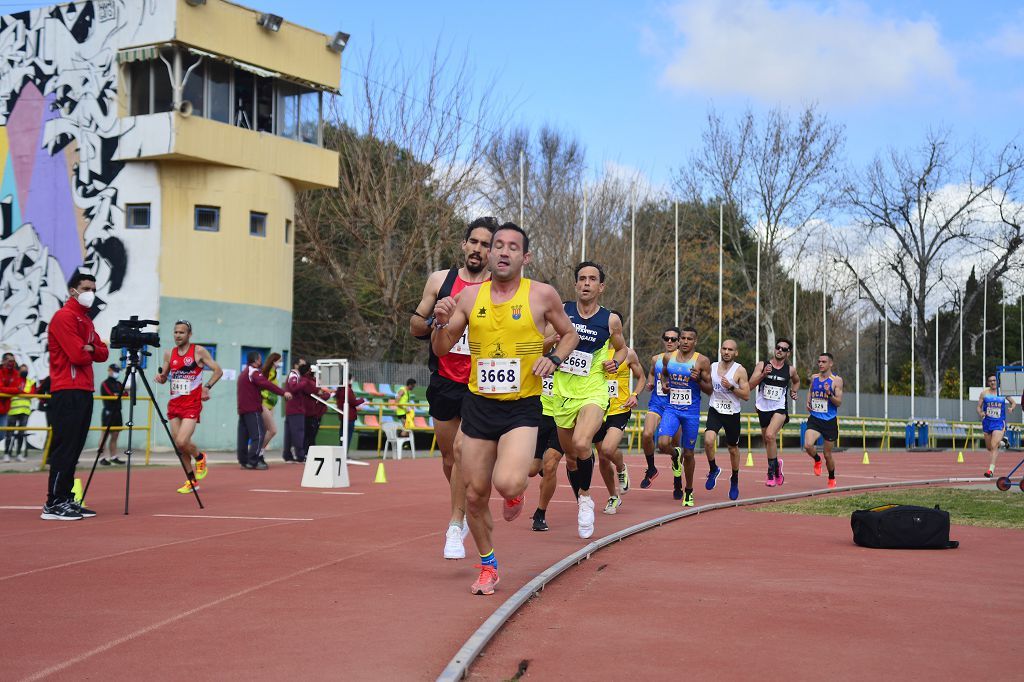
point(272, 580)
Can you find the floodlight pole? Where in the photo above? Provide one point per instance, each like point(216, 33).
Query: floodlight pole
point(583, 254)
point(961, 372)
point(522, 187)
point(938, 386)
point(632, 266)
point(794, 329)
point(984, 334)
point(675, 289)
point(757, 304)
point(885, 370)
point(721, 234)
point(912, 372)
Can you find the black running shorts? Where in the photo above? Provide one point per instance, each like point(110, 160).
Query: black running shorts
point(730, 422)
point(616, 421)
point(111, 418)
point(547, 437)
point(445, 397)
point(829, 430)
point(766, 417)
point(490, 419)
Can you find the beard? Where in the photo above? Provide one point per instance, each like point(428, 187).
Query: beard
point(475, 267)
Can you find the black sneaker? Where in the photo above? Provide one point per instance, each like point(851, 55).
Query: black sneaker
point(117, 460)
point(260, 466)
point(677, 494)
point(104, 462)
point(60, 511)
point(540, 524)
point(246, 465)
point(649, 477)
point(81, 509)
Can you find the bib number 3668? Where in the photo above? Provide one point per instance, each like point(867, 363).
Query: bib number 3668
point(497, 375)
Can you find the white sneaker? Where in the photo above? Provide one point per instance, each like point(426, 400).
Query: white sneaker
point(453, 547)
point(613, 505)
point(7, 458)
point(23, 457)
point(585, 517)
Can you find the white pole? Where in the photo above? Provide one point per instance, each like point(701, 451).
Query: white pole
point(885, 370)
point(522, 187)
point(675, 289)
point(757, 306)
point(1020, 308)
point(583, 254)
point(721, 252)
point(857, 346)
point(632, 266)
point(794, 331)
point(961, 372)
point(938, 387)
point(1004, 331)
point(912, 372)
point(984, 335)
point(824, 321)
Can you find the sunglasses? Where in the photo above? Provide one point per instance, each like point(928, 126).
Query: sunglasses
point(184, 322)
point(673, 339)
point(782, 348)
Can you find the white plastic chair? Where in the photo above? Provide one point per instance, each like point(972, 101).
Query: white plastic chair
point(391, 430)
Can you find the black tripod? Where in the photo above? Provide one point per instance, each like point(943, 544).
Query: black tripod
point(131, 371)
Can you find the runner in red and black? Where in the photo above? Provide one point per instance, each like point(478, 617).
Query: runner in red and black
point(449, 375)
point(183, 368)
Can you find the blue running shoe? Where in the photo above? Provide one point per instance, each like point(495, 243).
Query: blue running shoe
point(649, 478)
point(734, 490)
point(712, 478)
point(677, 493)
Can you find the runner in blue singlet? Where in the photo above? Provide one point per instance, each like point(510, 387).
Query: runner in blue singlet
point(992, 410)
point(823, 400)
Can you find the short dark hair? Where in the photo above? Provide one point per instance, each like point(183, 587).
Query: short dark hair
point(6, 355)
point(410, 382)
point(304, 369)
point(688, 328)
point(621, 318)
point(783, 339)
point(589, 264)
point(80, 277)
point(827, 355)
point(515, 228)
point(114, 365)
point(671, 329)
point(253, 356)
point(991, 376)
point(489, 223)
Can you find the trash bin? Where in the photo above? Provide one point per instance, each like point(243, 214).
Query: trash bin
point(1013, 437)
point(909, 439)
point(922, 435)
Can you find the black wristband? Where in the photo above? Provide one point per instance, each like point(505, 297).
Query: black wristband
point(430, 322)
point(554, 359)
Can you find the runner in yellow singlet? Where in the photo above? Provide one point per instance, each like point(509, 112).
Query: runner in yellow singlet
point(622, 400)
point(506, 318)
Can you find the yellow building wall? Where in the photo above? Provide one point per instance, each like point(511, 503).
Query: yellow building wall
point(231, 30)
point(230, 265)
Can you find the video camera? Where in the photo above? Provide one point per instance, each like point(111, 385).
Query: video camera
point(128, 334)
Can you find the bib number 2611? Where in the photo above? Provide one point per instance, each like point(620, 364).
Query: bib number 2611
point(497, 375)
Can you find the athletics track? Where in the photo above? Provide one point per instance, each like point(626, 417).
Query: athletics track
point(273, 581)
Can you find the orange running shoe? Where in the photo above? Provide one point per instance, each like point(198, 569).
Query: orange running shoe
point(486, 582)
point(187, 488)
point(817, 468)
point(511, 510)
point(201, 466)
point(831, 483)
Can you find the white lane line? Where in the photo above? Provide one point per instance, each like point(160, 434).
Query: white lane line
point(268, 490)
point(22, 508)
point(318, 492)
point(327, 492)
point(246, 518)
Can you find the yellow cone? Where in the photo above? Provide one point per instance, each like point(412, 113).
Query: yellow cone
point(76, 490)
point(381, 476)
point(750, 460)
point(866, 460)
point(960, 457)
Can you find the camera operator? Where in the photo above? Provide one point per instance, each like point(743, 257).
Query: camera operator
point(74, 347)
point(183, 366)
point(250, 411)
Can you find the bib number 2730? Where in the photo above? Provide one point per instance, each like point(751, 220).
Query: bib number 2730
point(497, 375)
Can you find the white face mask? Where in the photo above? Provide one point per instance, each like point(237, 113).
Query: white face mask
point(86, 298)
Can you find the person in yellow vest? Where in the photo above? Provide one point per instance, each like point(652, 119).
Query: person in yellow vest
point(506, 318)
point(21, 408)
point(403, 399)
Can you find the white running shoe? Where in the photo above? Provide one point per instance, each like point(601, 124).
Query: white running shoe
point(23, 457)
point(7, 458)
point(613, 505)
point(453, 547)
point(585, 517)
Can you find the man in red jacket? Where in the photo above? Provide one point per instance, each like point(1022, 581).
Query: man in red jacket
point(74, 347)
point(11, 383)
point(301, 384)
point(250, 411)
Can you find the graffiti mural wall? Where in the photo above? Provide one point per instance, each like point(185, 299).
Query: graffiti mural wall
point(61, 190)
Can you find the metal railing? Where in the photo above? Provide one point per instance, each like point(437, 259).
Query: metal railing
point(147, 427)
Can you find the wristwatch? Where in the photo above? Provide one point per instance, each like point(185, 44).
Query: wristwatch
point(430, 322)
point(554, 359)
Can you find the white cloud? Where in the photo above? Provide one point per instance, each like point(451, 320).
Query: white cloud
point(1009, 40)
point(795, 52)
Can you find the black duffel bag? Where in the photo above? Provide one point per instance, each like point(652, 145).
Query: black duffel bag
point(902, 526)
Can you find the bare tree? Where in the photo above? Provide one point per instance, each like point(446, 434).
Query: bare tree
point(409, 139)
point(782, 174)
point(923, 217)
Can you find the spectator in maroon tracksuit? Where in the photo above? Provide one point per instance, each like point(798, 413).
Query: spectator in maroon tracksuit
point(301, 384)
point(250, 411)
point(11, 383)
point(315, 411)
point(74, 347)
point(353, 402)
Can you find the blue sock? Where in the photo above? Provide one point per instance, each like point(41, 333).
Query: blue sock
point(489, 560)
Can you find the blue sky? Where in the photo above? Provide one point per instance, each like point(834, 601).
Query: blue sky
point(634, 80)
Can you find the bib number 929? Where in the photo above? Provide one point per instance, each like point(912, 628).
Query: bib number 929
point(497, 375)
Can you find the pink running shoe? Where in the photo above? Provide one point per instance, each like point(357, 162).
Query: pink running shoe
point(770, 481)
point(779, 477)
point(486, 582)
point(513, 508)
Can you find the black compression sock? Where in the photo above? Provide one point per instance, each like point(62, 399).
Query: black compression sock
point(539, 514)
point(689, 491)
point(574, 481)
point(585, 472)
point(817, 458)
point(831, 473)
point(735, 476)
point(773, 465)
point(711, 464)
point(650, 461)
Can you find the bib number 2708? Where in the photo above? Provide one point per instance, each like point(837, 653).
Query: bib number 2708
point(497, 375)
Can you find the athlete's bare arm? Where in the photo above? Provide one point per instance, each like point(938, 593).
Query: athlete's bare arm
point(650, 377)
point(837, 391)
point(206, 360)
point(450, 320)
point(759, 374)
point(418, 321)
point(544, 297)
point(703, 368)
point(794, 381)
point(742, 387)
point(161, 376)
point(638, 373)
point(618, 343)
point(981, 404)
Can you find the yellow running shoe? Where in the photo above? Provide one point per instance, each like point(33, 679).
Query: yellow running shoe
point(187, 488)
point(201, 466)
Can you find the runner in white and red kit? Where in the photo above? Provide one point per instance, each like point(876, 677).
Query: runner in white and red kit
point(449, 375)
point(183, 369)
